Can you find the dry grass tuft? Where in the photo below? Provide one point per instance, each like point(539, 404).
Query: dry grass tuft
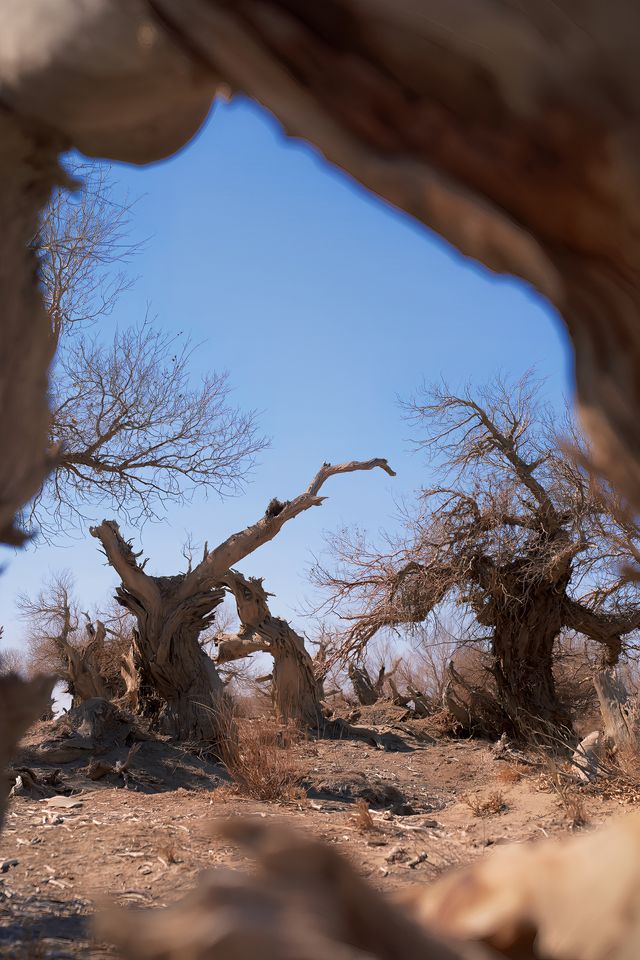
point(258, 764)
point(565, 789)
point(362, 817)
point(510, 773)
point(488, 806)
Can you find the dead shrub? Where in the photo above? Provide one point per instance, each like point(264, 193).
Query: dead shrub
point(510, 773)
point(571, 801)
point(488, 806)
point(259, 764)
point(362, 817)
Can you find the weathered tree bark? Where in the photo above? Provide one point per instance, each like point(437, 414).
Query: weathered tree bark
point(21, 703)
point(522, 645)
point(83, 676)
point(367, 692)
point(28, 172)
point(619, 712)
point(178, 684)
point(524, 634)
point(296, 691)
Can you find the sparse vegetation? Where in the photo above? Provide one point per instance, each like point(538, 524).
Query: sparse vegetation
point(257, 762)
point(362, 817)
point(488, 805)
point(510, 773)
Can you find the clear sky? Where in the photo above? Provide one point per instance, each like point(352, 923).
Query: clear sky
point(325, 305)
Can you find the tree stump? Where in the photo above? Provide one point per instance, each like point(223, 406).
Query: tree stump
point(619, 711)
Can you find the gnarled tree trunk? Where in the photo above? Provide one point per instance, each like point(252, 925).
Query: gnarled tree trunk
point(522, 651)
point(180, 687)
point(178, 683)
point(296, 691)
point(170, 678)
point(367, 692)
point(619, 713)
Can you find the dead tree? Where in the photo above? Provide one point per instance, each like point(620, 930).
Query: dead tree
point(178, 682)
point(129, 426)
point(367, 691)
point(57, 645)
point(511, 536)
point(296, 691)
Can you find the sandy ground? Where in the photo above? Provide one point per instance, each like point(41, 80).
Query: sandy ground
point(146, 844)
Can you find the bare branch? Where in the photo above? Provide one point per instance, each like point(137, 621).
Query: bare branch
point(604, 627)
point(218, 561)
point(121, 557)
point(133, 433)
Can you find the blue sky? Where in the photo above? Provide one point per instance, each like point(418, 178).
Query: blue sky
point(325, 305)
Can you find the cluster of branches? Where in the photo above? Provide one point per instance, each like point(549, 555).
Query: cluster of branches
point(83, 650)
point(131, 428)
point(518, 533)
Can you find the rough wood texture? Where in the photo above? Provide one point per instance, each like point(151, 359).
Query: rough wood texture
point(178, 684)
point(296, 691)
point(21, 703)
point(82, 673)
point(169, 677)
point(367, 692)
point(619, 712)
point(28, 171)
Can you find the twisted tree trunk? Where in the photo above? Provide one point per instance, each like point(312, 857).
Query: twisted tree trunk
point(367, 692)
point(170, 678)
point(296, 691)
point(178, 684)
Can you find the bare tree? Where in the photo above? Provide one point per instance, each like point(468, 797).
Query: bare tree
point(80, 651)
point(82, 245)
point(519, 535)
point(129, 426)
point(12, 660)
point(296, 690)
point(134, 434)
point(179, 683)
